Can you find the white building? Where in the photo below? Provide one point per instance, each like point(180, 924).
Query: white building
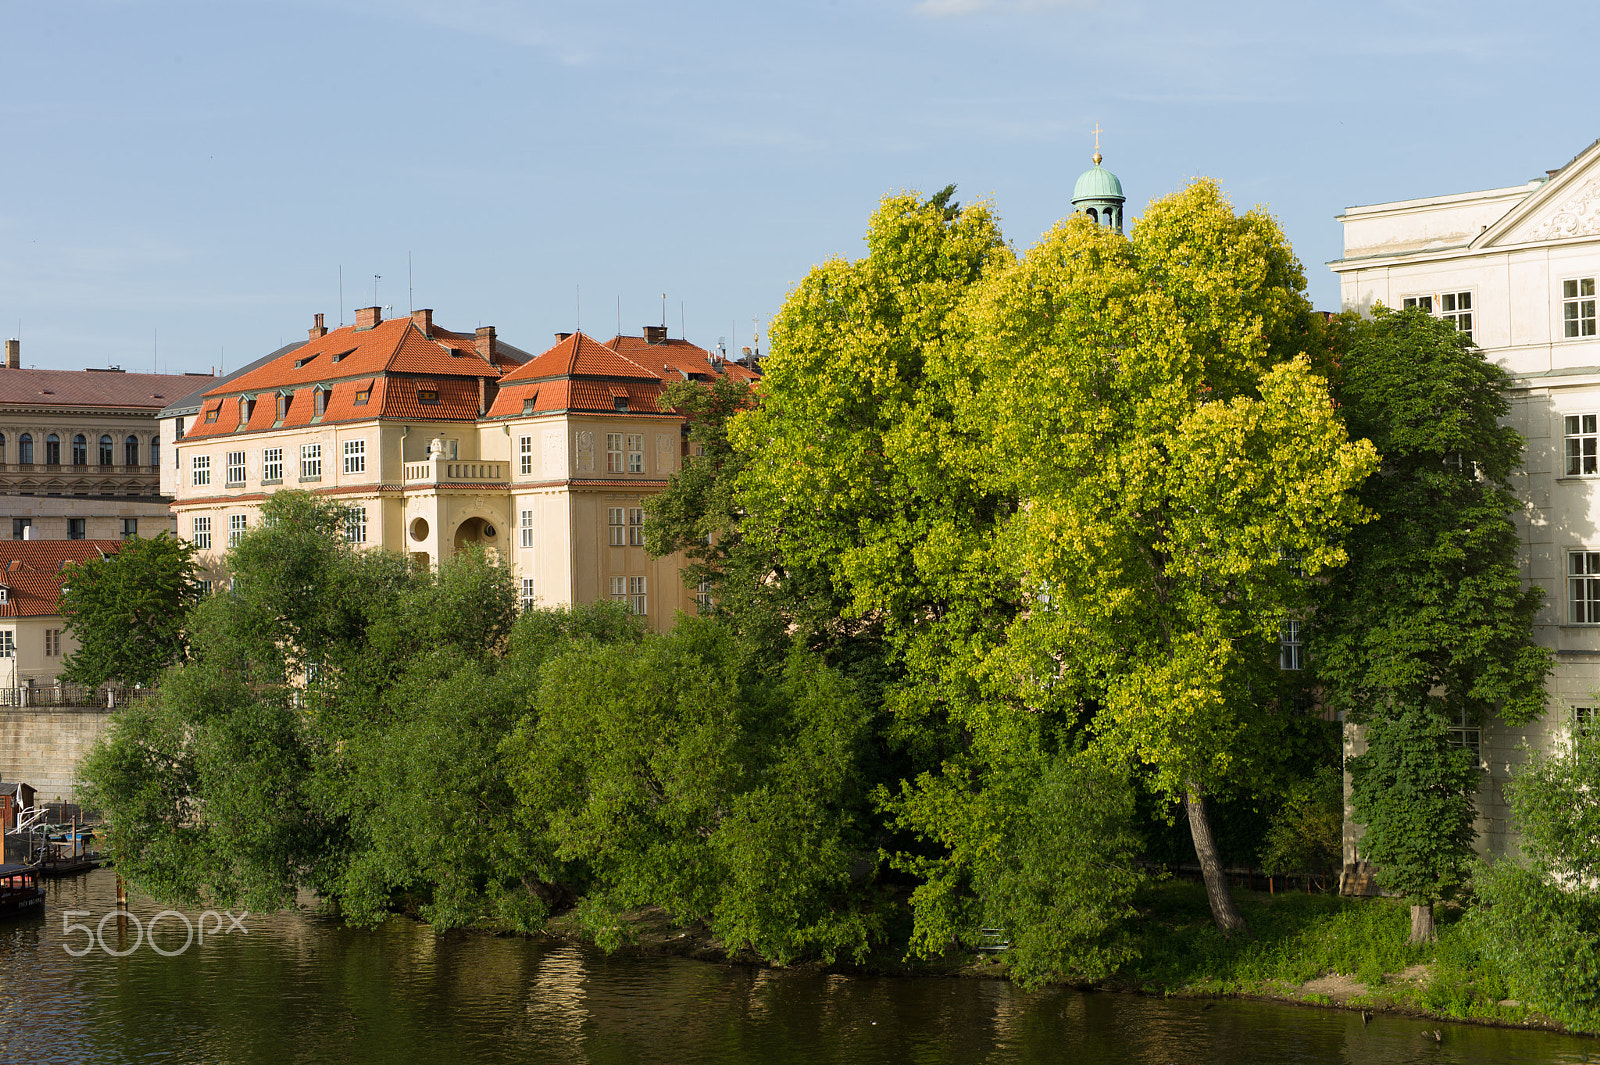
point(1517, 268)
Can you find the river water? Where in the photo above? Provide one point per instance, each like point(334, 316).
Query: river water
point(299, 988)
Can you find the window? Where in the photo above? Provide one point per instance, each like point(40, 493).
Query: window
point(355, 525)
point(311, 462)
point(619, 403)
point(636, 597)
point(200, 469)
point(525, 453)
point(2, 449)
point(283, 405)
point(52, 450)
point(613, 452)
point(635, 452)
point(75, 528)
point(155, 452)
point(1466, 735)
point(237, 524)
point(130, 528)
point(52, 643)
point(5, 594)
point(527, 528)
point(619, 589)
point(427, 396)
point(178, 431)
point(525, 596)
point(1457, 307)
point(1577, 307)
point(1425, 302)
point(130, 451)
point(355, 456)
point(80, 450)
point(319, 400)
point(614, 523)
point(363, 396)
point(636, 527)
point(206, 587)
point(1583, 587)
point(1583, 718)
point(1291, 652)
point(271, 465)
point(213, 414)
point(202, 534)
point(527, 406)
point(107, 451)
point(25, 448)
point(236, 467)
point(702, 597)
point(19, 527)
point(8, 643)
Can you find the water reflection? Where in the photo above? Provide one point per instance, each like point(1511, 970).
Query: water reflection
point(299, 988)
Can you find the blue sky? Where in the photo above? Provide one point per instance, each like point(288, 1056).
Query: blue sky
point(182, 182)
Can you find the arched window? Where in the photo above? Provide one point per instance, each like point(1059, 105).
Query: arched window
point(25, 448)
point(107, 453)
point(155, 452)
point(2, 449)
point(130, 451)
point(52, 450)
point(1094, 216)
point(80, 451)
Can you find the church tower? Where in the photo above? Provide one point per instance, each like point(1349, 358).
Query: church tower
point(1098, 193)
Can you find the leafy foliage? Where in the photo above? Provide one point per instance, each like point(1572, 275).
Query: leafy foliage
point(1307, 830)
point(127, 611)
point(1541, 912)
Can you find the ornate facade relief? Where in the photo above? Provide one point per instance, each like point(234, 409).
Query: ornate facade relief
point(1575, 215)
point(555, 453)
point(585, 451)
point(664, 453)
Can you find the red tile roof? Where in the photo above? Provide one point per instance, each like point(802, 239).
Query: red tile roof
point(30, 571)
point(93, 388)
point(580, 373)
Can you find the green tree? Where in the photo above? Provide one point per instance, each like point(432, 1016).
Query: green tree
point(127, 611)
point(1151, 406)
point(1540, 912)
point(1430, 617)
point(686, 773)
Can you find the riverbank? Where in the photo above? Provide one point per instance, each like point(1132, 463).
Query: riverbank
point(1307, 949)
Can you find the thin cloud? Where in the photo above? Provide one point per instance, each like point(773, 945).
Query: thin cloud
point(501, 20)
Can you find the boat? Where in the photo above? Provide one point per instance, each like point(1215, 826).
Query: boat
point(20, 893)
point(65, 849)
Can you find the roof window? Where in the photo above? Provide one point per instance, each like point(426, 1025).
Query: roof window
point(301, 362)
point(427, 396)
point(619, 402)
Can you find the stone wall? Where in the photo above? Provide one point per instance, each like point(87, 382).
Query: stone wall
point(43, 747)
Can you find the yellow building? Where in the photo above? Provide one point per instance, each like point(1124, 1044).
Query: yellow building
point(433, 440)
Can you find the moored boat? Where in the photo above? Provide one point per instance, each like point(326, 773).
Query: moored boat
point(20, 893)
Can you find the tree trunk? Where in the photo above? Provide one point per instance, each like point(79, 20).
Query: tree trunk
point(1422, 923)
point(1223, 911)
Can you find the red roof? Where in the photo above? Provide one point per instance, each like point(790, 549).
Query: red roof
point(94, 388)
point(395, 346)
point(30, 571)
point(580, 373)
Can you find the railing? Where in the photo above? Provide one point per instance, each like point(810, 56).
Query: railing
point(71, 695)
point(445, 471)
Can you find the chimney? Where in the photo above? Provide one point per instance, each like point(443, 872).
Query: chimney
point(484, 342)
point(655, 334)
point(319, 330)
point(562, 336)
point(423, 320)
point(13, 354)
point(368, 317)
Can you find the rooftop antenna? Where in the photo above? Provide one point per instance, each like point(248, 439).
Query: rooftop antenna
point(341, 294)
point(683, 332)
point(375, 279)
point(577, 297)
point(663, 310)
point(619, 314)
point(411, 292)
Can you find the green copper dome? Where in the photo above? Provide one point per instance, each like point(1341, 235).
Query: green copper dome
point(1097, 183)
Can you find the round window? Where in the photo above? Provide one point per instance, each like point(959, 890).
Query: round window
point(419, 528)
point(488, 531)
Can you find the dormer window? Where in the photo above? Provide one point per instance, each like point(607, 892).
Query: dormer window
point(619, 402)
point(283, 404)
point(213, 413)
point(527, 404)
point(427, 396)
point(320, 400)
point(5, 594)
point(363, 396)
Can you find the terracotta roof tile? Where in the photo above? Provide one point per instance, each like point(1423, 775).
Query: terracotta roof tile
point(577, 355)
point(92, 388)
point(30, 570)
point(677, 357)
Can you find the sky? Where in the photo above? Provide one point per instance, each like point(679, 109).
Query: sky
point(183, 184)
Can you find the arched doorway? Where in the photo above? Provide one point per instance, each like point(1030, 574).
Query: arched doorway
point(479, 531)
